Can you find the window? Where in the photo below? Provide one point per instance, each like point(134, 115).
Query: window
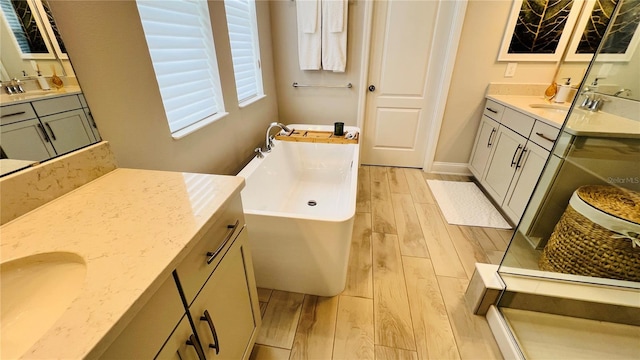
point(180, 42)
point(245, 48)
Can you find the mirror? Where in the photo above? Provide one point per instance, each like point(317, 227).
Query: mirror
point(617, 65)
point(45, 120)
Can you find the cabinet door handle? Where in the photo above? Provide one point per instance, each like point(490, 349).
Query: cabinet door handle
point(44, 133)
point(53, 135)
point(521, 157)
point(230, 231)
point(545, 137)
point(193, 341)
point(493, 111)
point(489, 143)
point(207, 317)
point(13, 114)
point(513, 159)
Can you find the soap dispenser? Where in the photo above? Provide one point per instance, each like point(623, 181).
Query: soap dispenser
point(563, 91)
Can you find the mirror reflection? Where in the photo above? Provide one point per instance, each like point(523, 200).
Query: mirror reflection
point(43, 112)
point(616, 69)
point(596, 159)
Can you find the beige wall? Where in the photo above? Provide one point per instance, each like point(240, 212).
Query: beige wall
point(314, 105)
point(475, 67)
point(107, 46)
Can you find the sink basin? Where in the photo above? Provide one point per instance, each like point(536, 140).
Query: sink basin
point(556, 107)
point(35, 291)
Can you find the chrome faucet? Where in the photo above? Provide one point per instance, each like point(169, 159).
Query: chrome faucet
point(617, 93)
point(269, 139)
point(14, 87)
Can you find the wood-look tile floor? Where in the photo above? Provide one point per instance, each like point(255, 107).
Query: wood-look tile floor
point(404, 298)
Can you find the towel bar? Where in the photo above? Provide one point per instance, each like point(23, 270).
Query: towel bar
point(348, 86)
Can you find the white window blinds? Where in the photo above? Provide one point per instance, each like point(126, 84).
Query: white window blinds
point(180, 42)
point(245, 48)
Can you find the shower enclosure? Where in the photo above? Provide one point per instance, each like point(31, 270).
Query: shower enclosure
point(570, 310)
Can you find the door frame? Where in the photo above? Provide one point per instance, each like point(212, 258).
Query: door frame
point(445, 40)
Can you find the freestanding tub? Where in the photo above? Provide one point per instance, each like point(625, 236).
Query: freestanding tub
point(299, 204)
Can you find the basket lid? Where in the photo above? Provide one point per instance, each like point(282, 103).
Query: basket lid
point(619, 202)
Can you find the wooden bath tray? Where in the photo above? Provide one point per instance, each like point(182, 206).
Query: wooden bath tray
point(317, 137)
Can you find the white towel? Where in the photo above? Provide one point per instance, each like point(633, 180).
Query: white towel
point(334, 34)
point(309, 34)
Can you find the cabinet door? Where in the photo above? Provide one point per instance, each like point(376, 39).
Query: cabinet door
point(502, 163)
point(178, 346)
point(528, 170)
point(68, 130)
point(223, 309)
point(482, 147)
point(146, 333)
point(25, 140)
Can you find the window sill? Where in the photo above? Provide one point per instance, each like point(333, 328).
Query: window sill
point(246, 103)
point(177, 135)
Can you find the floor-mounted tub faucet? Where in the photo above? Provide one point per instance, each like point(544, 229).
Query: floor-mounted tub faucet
point(269, 139)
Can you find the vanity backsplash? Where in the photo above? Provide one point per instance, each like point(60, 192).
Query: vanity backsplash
point(30, 188)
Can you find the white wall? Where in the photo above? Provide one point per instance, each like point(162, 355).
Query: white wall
point(106, 43)
point(315, 105)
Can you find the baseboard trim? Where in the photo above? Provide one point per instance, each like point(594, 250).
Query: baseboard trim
point(507, 344)
point(449, 168)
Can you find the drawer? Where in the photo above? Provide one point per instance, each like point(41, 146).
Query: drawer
point(493, 110)
point(83, 101)
point(14, 113)
point(195, 269)
point(145, 334)
point(56, 105)
point(544, 135)
point(518, 122)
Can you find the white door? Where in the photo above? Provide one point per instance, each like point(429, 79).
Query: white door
point(395, 119)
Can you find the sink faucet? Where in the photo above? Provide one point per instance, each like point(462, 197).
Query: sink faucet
point(14, 87)
point(617, 93)
point(269, 139)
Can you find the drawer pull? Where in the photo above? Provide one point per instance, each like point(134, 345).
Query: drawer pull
point(13, 114)
point(193, 341)
point(230, 231)
point(489, 143)
point(53, 135)
point(545, 137)
point(493, 111)
point(518, 165)
point(206, 317)
point(513, 159)
point(44, 133)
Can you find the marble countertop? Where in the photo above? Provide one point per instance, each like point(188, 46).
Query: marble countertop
point(34, 95)
point(131, 227)
point(580, 123)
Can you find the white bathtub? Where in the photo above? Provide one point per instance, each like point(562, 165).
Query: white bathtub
point(297, 247)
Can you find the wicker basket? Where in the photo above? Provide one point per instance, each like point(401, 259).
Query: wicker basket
point(595, 236)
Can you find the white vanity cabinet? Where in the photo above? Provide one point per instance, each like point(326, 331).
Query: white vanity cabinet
point(94, 127)
point(223, 313)
point(509, 154)
point(502, 164)
point(40, 129)
point(528, 170)
point(208, 308)
point(65, 122)
point(152, 325)
point(482, 149)
point(26, 140)
point(485, 137)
